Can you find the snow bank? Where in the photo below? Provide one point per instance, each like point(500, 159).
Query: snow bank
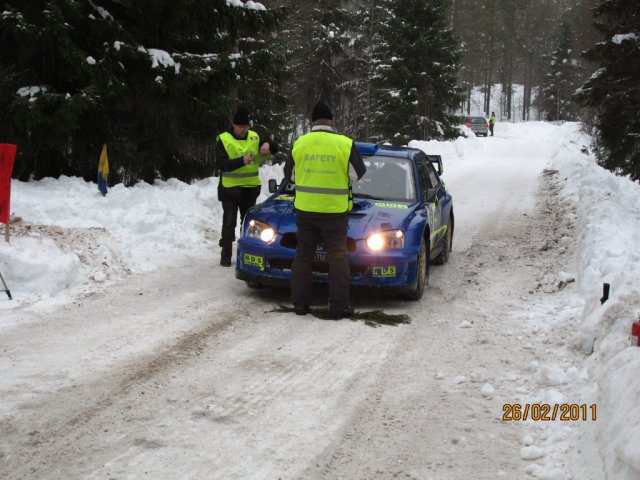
point(608, 228)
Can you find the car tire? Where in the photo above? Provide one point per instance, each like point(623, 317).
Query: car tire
point(254, 285)
point(443, 256)
point(422, 273)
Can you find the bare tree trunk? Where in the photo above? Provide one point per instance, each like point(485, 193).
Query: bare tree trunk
point(490, 59)
point(528, 61)
point(510, 53)
point(509, 87)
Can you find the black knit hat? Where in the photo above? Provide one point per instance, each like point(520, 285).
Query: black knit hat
point(321, 110)
point(241, 117)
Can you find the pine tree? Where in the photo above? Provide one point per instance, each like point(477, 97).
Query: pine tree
point(416, 72)
point(612, 92)
point(45, 83)
point(261, 64)
point(184, 75)
point(322, 60)
point(357, 106)
point(154, 79)
point(561, 79)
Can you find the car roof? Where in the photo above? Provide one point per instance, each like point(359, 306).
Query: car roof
point(373, 149)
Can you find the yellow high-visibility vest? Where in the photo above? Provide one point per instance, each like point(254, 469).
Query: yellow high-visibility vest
point(247, 175)
point(321, 162)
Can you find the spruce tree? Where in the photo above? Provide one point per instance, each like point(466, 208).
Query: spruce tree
point(45, 83)
point(416, 72)
point(613, 91)
point(555, 98)
point(153, 79)
point(322, 60)
point(368, 44)
point(261, 66)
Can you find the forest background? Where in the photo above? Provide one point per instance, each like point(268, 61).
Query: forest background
point(157, 80)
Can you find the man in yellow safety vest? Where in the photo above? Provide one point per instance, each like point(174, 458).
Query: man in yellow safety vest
point(323, 164)
point(239, 153)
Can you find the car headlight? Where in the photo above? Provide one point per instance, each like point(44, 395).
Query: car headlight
point(261, 230)
point(385, 240)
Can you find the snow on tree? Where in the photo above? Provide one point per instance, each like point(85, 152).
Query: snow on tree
point(613, 92)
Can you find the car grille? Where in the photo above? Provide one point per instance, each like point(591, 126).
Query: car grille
point(289, 240)
point(316, 267)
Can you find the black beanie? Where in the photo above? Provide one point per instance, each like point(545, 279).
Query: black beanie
point(241, 117)
point(321, 110)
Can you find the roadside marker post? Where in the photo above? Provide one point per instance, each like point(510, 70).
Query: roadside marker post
point(6, 289)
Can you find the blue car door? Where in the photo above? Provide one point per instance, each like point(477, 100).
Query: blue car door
point(429, 179)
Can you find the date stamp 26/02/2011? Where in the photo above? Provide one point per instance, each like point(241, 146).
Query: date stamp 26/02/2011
point(545, 412)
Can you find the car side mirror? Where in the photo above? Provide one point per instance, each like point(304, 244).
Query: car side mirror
point(273, 185)
point(430, 195)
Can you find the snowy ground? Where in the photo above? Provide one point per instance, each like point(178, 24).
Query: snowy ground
point(128, 351)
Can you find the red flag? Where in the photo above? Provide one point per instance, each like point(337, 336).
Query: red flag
point(7, 156)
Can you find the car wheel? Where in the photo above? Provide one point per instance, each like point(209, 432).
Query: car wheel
point(443, 256)
point(422, 273)
point(254, 285)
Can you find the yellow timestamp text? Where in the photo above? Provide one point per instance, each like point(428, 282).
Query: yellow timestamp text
point(545, 412)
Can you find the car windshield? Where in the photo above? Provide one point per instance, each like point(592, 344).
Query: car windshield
point(478, 120)
point(387, 178)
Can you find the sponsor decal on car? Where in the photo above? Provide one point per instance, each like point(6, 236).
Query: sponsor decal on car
point(383, 271)
point(390, 205)
point(254, 261)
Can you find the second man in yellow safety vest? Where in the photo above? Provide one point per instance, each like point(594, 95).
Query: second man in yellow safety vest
point(323, 164)
point(239, 153)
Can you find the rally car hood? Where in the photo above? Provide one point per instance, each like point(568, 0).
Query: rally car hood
point(367, 216)
point(370, 216)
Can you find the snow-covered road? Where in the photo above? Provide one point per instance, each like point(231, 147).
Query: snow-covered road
point(183, 372)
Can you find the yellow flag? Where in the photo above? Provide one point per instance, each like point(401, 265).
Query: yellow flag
point(103, 166)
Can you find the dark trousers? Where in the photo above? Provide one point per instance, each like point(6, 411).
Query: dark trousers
point(491, 128)
point(333, 229)
point(235, 199)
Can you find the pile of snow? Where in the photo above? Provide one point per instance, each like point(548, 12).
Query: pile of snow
point(71, 239)
point(608, 229)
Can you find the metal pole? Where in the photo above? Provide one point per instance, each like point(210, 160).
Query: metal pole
point(6, 289)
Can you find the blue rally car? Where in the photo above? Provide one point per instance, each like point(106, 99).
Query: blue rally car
point(402, 220)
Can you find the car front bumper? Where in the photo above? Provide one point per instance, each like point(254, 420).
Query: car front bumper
point(271, 265)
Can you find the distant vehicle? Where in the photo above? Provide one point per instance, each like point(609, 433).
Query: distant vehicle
point(478, 125)
point(401, 221)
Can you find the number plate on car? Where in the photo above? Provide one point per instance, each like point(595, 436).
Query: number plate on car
point(320, 255)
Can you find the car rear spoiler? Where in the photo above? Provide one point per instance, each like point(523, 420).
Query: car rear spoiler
point(437, 161)
point(366, 149)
